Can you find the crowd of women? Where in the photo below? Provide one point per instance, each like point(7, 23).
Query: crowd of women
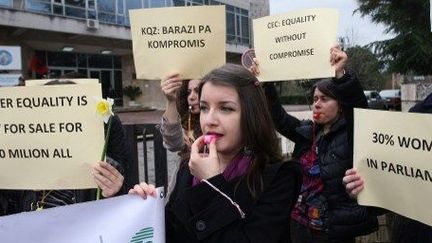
point(232, 183)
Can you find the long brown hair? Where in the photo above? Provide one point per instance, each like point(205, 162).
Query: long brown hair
point(183, 110)
point(257, 128)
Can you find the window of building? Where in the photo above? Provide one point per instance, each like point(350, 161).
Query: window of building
point(7, 3)
point(106, 68)
point(237, 21)
point(117, 12)
point(62, 59)
point(157, 3)
point(76, 3)
point(179, 3)
point(75, 12)
point(43, 6)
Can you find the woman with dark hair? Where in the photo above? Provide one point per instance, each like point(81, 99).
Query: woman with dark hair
point(180, 122)
point(238, 191)
point(324, 212)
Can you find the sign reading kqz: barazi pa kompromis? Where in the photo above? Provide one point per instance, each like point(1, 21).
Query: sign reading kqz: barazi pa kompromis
point(185, 40)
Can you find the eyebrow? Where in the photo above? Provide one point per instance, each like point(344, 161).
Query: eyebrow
point(221, 102)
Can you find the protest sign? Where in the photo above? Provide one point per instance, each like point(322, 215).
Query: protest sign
point(51, 136)
point(295, 45)
point(122, 219)
point(35, 82)
point(185, 40)
point(393, 154)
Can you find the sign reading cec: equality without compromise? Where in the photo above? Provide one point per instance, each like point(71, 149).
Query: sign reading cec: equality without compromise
point(295, 45)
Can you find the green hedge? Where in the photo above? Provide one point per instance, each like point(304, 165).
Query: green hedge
point(294, 100)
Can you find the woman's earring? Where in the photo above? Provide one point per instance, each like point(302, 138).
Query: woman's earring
point(247, 151)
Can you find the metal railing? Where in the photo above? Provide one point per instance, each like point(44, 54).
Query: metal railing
point(144, 133)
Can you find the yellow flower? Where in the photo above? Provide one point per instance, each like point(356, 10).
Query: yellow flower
point(104, 108)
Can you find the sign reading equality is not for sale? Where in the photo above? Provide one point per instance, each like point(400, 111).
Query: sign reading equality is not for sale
point(51, 136)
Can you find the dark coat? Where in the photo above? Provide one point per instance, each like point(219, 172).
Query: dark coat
point(346, 219)
point(200, 214)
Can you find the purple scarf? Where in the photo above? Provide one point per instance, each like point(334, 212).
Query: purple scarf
point(237, 167)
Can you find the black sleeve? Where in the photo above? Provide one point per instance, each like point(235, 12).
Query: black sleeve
point(285, 123)
point(267, 221)
point(352, 96)
point(117, 143)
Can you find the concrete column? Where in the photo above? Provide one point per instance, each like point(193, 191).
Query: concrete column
point(414, 89)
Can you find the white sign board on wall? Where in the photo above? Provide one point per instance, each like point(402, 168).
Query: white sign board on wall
point(10, 58)
point(9, 79)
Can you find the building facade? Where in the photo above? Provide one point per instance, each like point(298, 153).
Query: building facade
point(93, 37)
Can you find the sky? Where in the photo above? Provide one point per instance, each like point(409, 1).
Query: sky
point(360, 31)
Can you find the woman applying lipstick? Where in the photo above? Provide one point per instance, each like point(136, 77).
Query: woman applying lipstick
point(240, 191)
point(324, 212)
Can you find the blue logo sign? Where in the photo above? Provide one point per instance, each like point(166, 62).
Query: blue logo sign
point(5, 58)
point(143, 236)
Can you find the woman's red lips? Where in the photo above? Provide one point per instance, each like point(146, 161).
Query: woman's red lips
point(316, 115)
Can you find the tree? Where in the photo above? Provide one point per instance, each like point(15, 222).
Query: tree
point(411, 50)
point(367, 66)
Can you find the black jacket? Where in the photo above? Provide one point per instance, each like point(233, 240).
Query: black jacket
point(346, 219)
point(200, 214)
point(405, 230)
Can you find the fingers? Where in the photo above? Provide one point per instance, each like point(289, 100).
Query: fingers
point(353, 183)
point(351, 175)
point(107, 178)
point(171, 76)
point(109, 188)
point(335, 46)
point(143, 189)
point(170, 84)
point(197, 145)
point(254, 69)
point(354, 188)
point(354, 193)
point(351, 171)
point(212, 148)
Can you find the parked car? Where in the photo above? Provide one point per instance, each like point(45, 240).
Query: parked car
point(392, 98)
point(374, 100)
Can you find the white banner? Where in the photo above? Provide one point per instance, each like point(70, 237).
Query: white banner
point(10, 58)
point(121, 219)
